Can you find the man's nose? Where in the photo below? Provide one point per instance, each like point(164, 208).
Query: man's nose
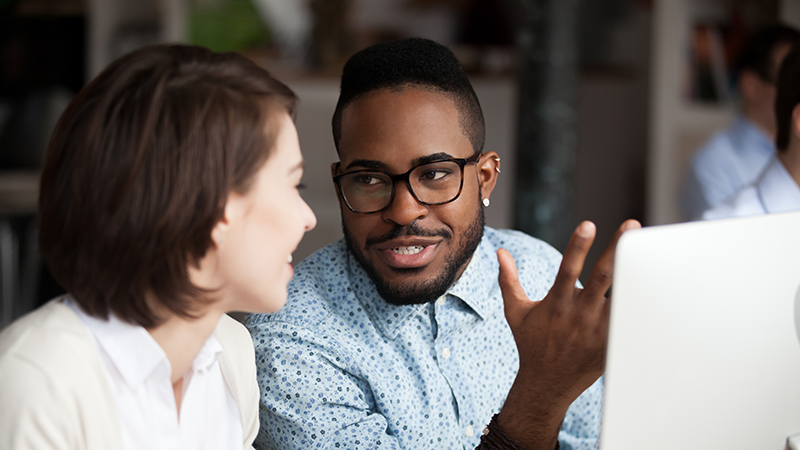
point(404, 208)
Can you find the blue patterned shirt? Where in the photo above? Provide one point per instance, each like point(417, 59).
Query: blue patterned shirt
point(339, 367)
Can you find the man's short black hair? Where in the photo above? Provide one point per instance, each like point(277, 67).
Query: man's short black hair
point(757, 52)
point(413, 62)
point(787, 97)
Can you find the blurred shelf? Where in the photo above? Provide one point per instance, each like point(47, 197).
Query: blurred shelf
point(19, 192)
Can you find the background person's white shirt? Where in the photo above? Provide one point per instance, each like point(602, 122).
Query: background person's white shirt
point(140, 379)
point(775, 191)
point(727, 163)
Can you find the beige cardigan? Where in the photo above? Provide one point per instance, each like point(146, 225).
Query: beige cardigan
point(54, 391)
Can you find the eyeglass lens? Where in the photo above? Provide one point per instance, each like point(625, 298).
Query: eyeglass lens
point(433, 183)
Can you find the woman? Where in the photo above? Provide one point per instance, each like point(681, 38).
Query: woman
point(168, 198)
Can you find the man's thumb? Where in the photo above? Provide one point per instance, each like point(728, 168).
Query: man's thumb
point(514, 298)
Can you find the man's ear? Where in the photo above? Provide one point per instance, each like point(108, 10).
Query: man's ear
point(488, 170)
point(796, 121)
point(751, 86)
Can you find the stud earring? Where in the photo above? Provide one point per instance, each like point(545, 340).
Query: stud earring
point(486, 202)
point(497, 167)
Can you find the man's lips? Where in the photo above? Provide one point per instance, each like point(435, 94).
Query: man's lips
point(408, 252)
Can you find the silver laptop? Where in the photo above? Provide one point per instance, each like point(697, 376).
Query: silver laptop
point(704, 348)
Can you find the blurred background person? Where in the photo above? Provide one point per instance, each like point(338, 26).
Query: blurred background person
point(736, 156)
point(169, 197)
point(777, 188)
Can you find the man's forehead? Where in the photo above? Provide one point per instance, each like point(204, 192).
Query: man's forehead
point(401, 128)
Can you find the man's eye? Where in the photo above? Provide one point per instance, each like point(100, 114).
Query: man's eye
point(438, 174)
point(368, 179)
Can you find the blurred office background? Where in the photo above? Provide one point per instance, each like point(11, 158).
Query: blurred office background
point(620, 92)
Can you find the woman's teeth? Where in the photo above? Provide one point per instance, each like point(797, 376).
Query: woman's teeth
point(408, 250)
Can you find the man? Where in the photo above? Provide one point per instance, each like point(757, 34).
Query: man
point(395, 337)
point(777, 189)
point(735, 157)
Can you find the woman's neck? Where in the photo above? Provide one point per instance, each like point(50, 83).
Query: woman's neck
point(182, 338)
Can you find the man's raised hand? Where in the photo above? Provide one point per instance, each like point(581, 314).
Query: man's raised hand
point(561, 339)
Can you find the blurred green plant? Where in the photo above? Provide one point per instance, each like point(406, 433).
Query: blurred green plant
point(226, 25)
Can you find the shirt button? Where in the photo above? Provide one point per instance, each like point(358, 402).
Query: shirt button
point(446, 353)
point(469, 431)
point(441, 300)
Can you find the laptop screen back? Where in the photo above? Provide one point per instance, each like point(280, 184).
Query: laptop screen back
point(703, 342)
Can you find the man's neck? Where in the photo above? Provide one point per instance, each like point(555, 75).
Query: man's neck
point(791, 160)
point(761, 118)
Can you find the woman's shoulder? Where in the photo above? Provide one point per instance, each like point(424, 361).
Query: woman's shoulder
point(48, 337)
point(238, 356)
point(51, 372)
point(231, 333)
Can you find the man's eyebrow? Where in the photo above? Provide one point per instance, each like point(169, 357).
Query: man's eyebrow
point(367, 164)
point(430, 158)
point(372, 164)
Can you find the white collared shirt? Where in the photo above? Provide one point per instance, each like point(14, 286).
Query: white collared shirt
point(139, 374)
point(775, 191)
point(729, 162)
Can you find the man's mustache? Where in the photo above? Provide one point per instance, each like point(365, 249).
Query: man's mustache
point(412, 229)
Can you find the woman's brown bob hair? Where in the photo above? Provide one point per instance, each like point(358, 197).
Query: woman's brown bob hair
point(138, 171)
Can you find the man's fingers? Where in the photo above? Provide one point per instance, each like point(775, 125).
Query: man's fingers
point(603, 272)
point(574, 257)
point(514, 297)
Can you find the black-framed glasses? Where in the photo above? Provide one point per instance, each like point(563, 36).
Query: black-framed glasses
point(431, 183)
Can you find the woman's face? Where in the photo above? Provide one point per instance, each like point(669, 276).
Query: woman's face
point(262, 228)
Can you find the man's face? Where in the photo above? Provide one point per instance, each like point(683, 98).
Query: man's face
point(412, 252)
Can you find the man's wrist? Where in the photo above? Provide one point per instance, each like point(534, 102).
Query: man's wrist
point(494, 438)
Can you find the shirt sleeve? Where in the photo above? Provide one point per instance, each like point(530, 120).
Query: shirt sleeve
point(581, 427)
point(309, 399)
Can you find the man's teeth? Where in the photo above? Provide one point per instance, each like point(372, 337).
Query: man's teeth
point(408, 250)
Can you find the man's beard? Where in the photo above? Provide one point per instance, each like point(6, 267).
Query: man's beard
point(429, 290)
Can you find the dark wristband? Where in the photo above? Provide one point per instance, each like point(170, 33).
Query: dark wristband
point(494, 438)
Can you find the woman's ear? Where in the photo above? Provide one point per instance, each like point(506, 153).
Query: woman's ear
point(488, 170)
point(220, 232)
point(235, 208)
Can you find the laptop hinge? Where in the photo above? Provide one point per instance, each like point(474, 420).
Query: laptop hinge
point(793, 442)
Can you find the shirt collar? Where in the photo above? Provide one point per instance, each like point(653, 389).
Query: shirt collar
point(476, 285)
point(473, 288)
point(777, 189)
point(134, 352)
